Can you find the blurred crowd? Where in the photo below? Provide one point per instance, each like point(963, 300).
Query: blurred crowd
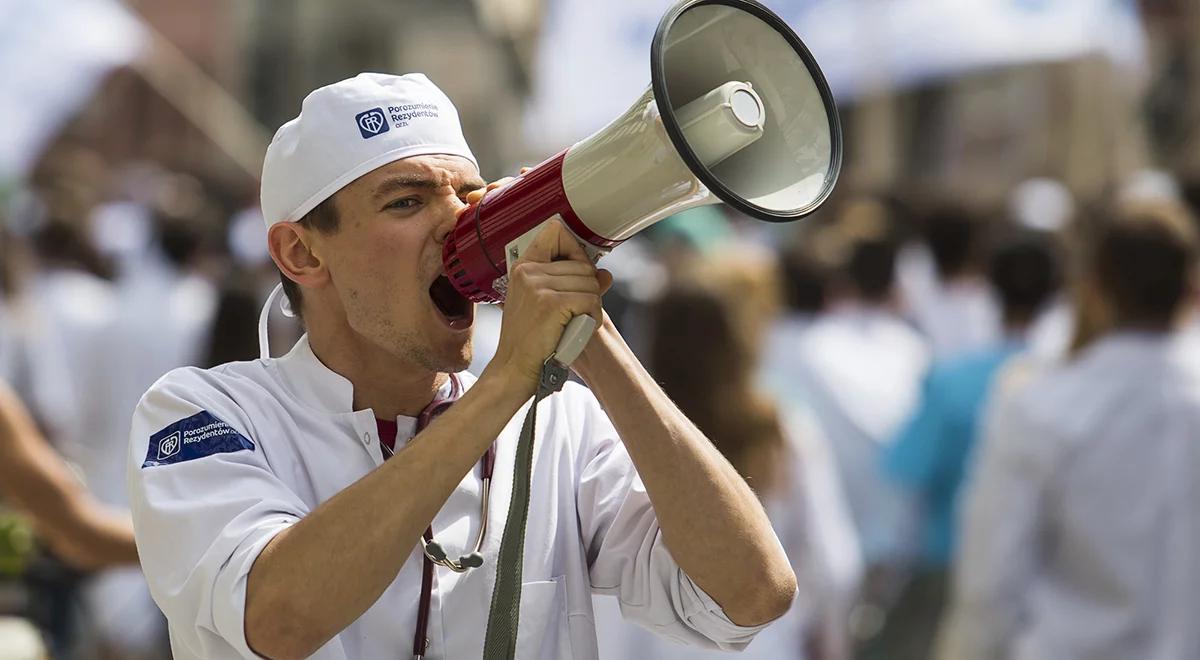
point(972, 422)
point(973, 428)
point(904, 382)
point(111, 277)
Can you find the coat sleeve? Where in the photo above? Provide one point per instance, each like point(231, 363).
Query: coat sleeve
point(205, 503)
point(627, 557)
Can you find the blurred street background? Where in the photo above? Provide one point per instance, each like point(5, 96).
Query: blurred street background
point(858, 367)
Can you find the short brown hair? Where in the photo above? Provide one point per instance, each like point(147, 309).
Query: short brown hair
point(1143, 262)
point(323, 218)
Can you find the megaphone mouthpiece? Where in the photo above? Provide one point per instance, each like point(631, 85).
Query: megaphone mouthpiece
point(723, 122)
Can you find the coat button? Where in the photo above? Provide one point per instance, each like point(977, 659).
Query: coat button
point(366, 438)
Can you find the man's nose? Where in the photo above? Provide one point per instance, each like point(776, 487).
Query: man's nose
point(449, 219)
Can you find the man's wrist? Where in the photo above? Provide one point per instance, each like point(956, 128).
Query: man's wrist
point(504, 386)
point(600, 353)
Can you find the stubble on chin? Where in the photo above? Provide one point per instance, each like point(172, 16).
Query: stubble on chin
point(419, 352)
point(421, 348)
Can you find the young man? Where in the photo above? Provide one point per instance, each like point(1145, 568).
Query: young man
point(272, 522)
point(1079, 529)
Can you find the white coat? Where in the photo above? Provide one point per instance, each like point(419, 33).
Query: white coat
point(82, 309)
point(858, 369)
point(1080, 535)
point(959, 316)
point(270, 440)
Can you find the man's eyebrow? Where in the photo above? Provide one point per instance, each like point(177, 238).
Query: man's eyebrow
point(396, 183)
point(471, 184)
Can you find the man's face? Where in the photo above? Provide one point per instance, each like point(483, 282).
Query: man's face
point(385, 259)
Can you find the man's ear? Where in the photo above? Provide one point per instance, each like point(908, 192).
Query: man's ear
point(291, 248)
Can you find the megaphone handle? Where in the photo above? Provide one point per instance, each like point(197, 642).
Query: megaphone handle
point(581, 328)
point(574, 338)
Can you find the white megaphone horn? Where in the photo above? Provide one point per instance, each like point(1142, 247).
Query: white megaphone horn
point(737, 112)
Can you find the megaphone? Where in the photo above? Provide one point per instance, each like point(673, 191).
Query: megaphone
point(737, 112)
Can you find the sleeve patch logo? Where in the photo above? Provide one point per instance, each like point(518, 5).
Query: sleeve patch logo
point(195, 437)
point(169, 446)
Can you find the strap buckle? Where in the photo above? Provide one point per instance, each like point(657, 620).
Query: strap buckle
point(553, 377)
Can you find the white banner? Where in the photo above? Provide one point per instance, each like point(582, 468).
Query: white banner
point(593, 61)
point(594, 57)
point(53, 55)
point(864, 45)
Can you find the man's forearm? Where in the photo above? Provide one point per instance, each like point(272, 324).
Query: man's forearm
point(296, 599)
point(91, 536)
point(33, 478)
point(711, 521)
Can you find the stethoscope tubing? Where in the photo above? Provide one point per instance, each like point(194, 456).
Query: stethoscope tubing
point(432, 550)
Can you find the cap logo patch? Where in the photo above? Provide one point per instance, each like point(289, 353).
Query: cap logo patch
point(372, 123)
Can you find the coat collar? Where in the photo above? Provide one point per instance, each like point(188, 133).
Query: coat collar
point(314, 384)
point(317, 386)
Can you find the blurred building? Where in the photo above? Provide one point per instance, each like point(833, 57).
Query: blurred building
point(216, 78)
point(1088, 121)
point(291, 48)
point(1172, 102)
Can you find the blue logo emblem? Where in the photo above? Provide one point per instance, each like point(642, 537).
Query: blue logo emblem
point(372, 122)
point(169, 446)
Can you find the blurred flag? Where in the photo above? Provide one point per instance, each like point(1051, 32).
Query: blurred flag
point(53, 55)
point(594, 58)
point(864, 45)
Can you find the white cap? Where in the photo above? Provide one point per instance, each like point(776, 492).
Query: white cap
point(350, 128)
point(1042, 205)
point(1150, 185)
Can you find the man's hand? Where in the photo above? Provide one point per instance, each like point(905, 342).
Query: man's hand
point(553, 282)
point(475, 196)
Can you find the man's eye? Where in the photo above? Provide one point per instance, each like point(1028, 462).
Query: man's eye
point(403, 203)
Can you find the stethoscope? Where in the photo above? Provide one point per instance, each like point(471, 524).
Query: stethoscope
point(433, 551)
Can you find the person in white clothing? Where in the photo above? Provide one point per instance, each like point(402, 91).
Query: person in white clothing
point(164, 309)
point(274, 519)
point(858, 367)
point(70, 294)
point(705, 341)
point(1080, 536)
point(943, 285)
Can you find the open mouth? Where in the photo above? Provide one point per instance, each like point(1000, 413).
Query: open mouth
point(457, 311)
